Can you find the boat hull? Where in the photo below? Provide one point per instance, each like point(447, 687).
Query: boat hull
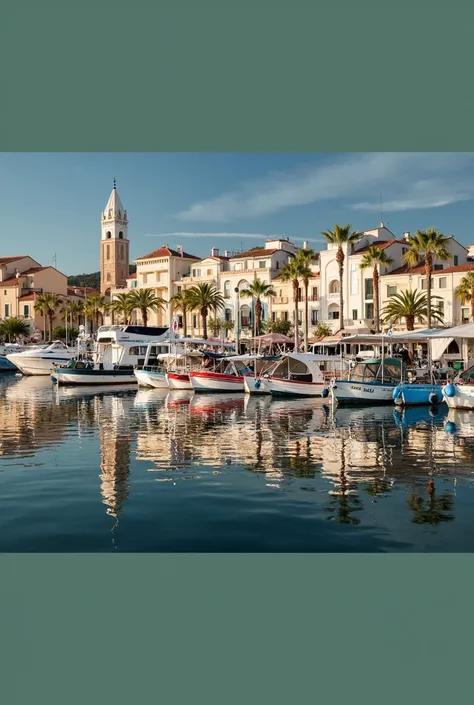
point(37, 365)
point(255, 385)
point(215, 382)
point(92, 377)
point(147, 378)
point(417, 394)
point(462, 398)
point(293, 388)
point(347, 392)
point(178, 381)
point(7, 365)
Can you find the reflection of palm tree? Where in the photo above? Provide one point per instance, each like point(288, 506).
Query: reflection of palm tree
point(344, 501)
point(433, 510)
point(301, 464)
point(379, 486)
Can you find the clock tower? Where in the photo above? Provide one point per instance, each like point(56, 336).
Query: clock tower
point(114, 245)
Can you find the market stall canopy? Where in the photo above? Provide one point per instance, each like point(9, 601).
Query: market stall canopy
point(328, 340)
point(274, 338)
point(465, 331)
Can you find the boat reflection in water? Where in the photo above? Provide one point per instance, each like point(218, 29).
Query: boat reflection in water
point(173, 471)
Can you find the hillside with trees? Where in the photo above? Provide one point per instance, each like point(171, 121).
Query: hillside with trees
point(91, 280)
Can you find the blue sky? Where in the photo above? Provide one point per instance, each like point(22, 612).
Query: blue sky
point(51, 203)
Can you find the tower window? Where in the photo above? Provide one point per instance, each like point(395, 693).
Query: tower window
point(108, 251)
point(108, 235)
point(108, 276)
point(120, 235)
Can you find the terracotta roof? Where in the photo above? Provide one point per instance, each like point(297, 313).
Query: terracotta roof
point(27, 297)
point(405, 269)
point(167, 252)
point(132, 276)
point(458, 268)
point(420, 269)
point(5, 260)
point(381, 245)
point(257, 253)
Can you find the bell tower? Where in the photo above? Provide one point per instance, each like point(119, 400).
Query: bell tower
point(114, 244)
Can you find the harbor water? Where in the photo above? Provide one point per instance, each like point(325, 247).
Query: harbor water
point(137, 470)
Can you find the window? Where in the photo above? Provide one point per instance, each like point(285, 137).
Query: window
point(369, 311)
point(4, 292)
point(285, 315)
point(179, 289)
point(334, 287)
point(456, 260)
point(108, 251)
point(300, 317)
point(108, 276)
point(262, 264)
point(108, 235)
point(228, 314)
point(227, 290)
point(423, 283)
point(120, 235)
point(314, 293)
point(145, 278)
point(391, 290)
point(354, 314)
point(26, 311)
point(465, 315)
point(440, 306)
point(300, 294)
point(334, 315)
point(245, 316)
point(209, 273)
point(404, 250)
point(314, 318)
point(442, 282)
point(274, 315)
point(7, 310)
point(195, 320)
point(158, 276)
point(369, 289)
point(134, 284)
point(437, 267)
point(278, 265)
point(180, 321)
point(196, 272)
point(354, 279)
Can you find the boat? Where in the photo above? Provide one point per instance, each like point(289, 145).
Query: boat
point(151, 377)
point(40, 360)
point(8, 349)
point(79, 372)
point(417, 394)
point(227, 374)
point(298, 375)
point(370, 382)
point(459, 393)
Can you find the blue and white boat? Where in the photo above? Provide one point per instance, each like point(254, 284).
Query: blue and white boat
point(370, 382)
point(415, 394)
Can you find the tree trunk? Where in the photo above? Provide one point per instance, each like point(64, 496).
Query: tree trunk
point(51, 326)
point(428, 272)
point(410, 321)
point(376, 299)
point(306, 315)
point(258, 315)
point(472, 304)
point(184, 322)
point(295, 297)
point(340, 262)
point(144, 313)
point(204, 323)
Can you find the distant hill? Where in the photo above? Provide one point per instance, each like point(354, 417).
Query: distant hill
point(91, 280)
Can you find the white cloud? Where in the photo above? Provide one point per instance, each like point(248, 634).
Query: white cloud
point(410, 180)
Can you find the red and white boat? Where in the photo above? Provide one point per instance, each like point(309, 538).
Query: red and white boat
point(227, 375)
point(178, 380)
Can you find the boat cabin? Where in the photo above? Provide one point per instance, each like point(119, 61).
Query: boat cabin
point(389, 370)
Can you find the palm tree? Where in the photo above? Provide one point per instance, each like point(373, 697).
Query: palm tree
point(145, 300)
point(182, 302)
point(14, 328)
point(375, 257)
point(204, 298)
point(306, 257)
point(121, 305)
point(258, 289)
point(94, 306)
point(341, 236)
point(293, 272)
point(47, 304)
point(411, 306)
point(465, 291)
point(427, 245)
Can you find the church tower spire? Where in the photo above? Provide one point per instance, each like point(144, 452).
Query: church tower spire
point(114, 244)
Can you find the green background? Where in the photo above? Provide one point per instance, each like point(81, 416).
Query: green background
point(247, 75)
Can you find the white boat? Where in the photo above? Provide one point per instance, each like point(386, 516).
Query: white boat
point(151, 378)
point(370, 382)
point(227, 374)
point(298, 375)
point(459, 394)
point(40, 360)
point(87, 374)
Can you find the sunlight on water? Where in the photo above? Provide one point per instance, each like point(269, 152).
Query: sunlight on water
point(127, 470)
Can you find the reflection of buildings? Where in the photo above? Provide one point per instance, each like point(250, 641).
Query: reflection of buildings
point(114, 420)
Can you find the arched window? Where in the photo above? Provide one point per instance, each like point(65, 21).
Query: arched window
point(334, 287)
point(120, 235)
point(108, 251)
point(108, 276)
point(227, 290)
point(245, 316)
point(108, 235)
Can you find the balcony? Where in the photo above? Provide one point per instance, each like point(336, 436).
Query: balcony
point(280, 300)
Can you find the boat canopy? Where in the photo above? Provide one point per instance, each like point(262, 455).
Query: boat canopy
point(372, 370)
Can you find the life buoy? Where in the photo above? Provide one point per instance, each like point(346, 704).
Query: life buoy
point(449, 390)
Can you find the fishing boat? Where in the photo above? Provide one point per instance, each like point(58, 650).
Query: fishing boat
point(459, 393)
point(370, 382)
point(226, 375)
point(86, 373)
point(8, 349)
point(417, 394)
point(298, 375)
